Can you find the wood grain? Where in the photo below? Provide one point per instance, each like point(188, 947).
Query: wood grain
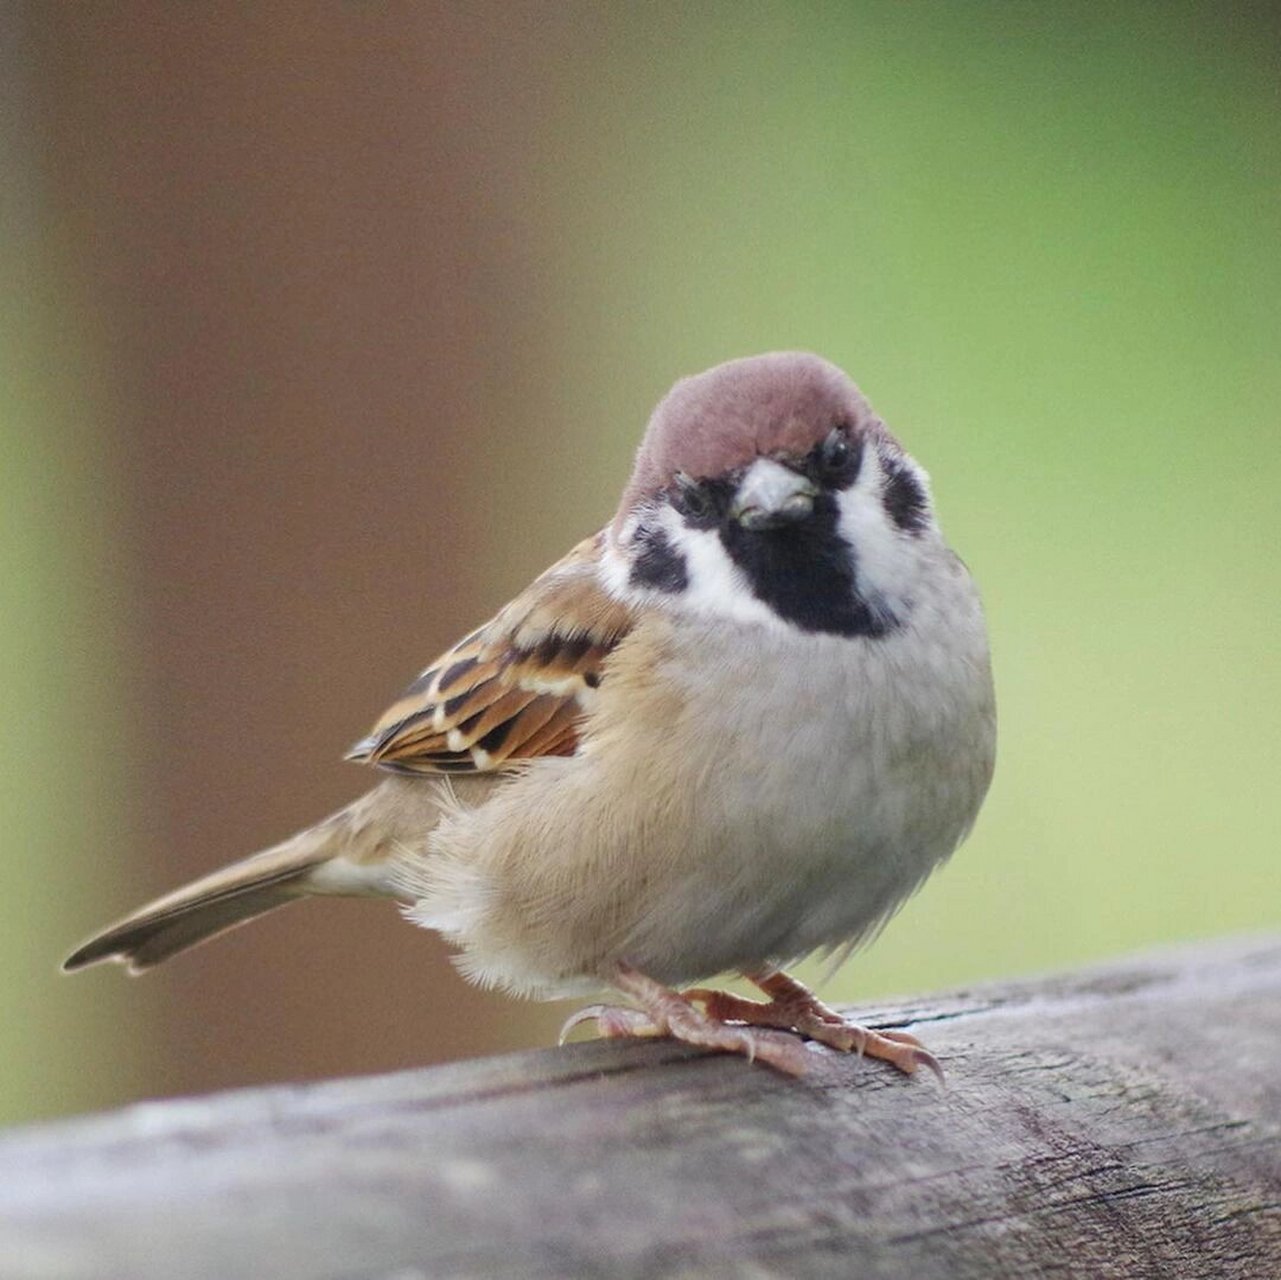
point(1120, 1122)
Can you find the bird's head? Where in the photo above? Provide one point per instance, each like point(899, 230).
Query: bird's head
point(767, 490)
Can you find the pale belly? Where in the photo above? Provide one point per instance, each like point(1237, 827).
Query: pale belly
point(722, 828)
point(822, 819)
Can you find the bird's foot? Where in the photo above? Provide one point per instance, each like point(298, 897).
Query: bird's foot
point(792, 1006)
point(664, 1012)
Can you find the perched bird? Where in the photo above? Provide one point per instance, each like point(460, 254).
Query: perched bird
point(740, 724)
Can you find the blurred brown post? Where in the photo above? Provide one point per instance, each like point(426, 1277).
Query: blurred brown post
point(298, 239)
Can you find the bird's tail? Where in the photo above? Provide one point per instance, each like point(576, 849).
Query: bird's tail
point(348, 853)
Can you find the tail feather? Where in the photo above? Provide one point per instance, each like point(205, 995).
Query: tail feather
point(349, 853)
point(205, 908)
point(141, 944)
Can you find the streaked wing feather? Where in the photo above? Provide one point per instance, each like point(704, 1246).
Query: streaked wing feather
point(513, 690)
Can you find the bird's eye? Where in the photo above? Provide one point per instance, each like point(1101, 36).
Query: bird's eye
point(837, 459)
point(835, 450)
point(693, 498)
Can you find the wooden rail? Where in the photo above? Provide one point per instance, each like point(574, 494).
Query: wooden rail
point(1120, 1122)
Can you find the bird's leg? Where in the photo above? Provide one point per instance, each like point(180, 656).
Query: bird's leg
point(793, 1006)
point(664, 1012)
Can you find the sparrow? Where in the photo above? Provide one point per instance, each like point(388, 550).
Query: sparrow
point(739, 725)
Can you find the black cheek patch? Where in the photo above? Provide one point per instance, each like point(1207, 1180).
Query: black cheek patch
point(659, 565)
point(903, 496)
point(807, 574)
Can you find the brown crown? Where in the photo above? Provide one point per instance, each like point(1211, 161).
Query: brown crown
point(715, 422)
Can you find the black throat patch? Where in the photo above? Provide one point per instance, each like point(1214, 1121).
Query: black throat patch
point(807, 573)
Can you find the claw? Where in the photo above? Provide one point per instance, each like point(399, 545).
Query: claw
point(614, 1022)
point(590, 1014)
point(924, 1058)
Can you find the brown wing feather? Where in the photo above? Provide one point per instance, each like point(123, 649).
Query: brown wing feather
point(516, 688)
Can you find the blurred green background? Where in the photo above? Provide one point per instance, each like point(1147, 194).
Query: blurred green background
point(323, 330)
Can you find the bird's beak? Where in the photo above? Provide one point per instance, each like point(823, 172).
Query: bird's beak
point(771, 495)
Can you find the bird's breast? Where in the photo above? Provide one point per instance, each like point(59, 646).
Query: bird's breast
point(742, 796)
point(814, 782)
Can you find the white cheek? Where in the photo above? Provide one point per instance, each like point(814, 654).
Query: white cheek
point(888, 558)
point(717, 587)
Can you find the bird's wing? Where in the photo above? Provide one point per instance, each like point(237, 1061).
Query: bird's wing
point(516, 688)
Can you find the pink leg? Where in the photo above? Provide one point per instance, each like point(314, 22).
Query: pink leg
point(793, 1006)
point(664, 1012)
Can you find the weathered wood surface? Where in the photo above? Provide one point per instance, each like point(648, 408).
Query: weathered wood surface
point(1120, 1122)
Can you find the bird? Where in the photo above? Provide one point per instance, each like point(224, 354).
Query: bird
point(737, 726)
